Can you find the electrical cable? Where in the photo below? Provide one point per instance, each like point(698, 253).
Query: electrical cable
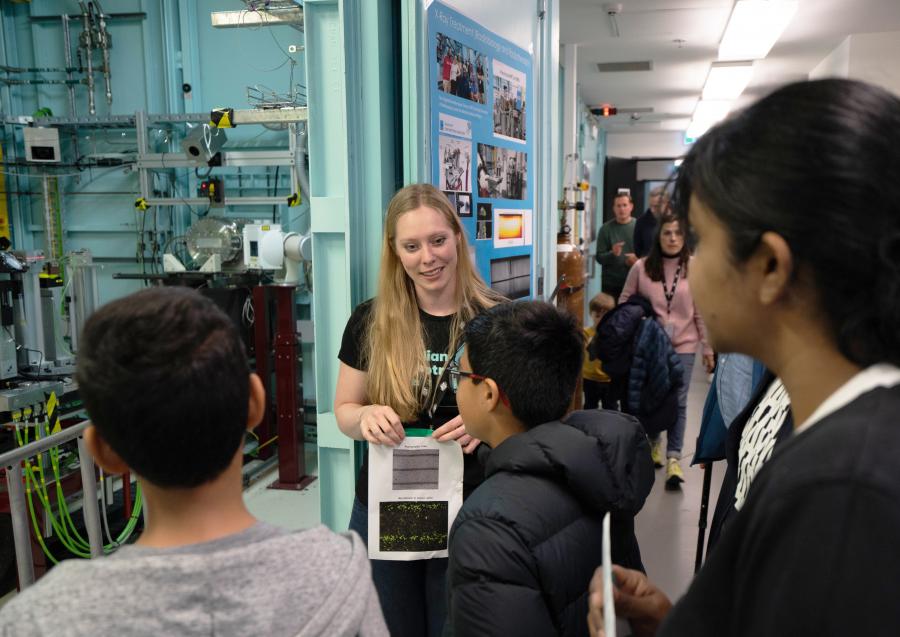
point(40, 364)
point(64, 527)
point(266, 443)
point(248, 314)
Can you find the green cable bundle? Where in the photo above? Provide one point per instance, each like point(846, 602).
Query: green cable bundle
point(64, 527)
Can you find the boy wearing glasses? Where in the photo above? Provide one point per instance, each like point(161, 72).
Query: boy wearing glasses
point(524, 545)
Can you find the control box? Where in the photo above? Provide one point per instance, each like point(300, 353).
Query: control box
point(263, 246)
point(42, 145)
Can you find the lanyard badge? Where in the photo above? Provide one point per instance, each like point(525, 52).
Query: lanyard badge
point(433, 391)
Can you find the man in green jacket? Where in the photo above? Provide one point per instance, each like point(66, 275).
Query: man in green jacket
point(615, 246)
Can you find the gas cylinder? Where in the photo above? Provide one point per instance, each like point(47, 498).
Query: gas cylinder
point(570, 271)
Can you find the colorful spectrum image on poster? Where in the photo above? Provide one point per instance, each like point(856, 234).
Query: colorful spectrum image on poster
point(512, 228)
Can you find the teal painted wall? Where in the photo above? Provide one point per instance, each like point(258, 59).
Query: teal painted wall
point(592, 152)
point(151, 57)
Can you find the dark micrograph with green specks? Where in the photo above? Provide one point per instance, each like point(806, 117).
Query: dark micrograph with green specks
point(413, 526)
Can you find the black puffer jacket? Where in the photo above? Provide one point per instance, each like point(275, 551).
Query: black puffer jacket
point(526, 543)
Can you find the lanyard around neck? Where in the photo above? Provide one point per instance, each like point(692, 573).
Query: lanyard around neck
point(670, 294)
point(434, 394)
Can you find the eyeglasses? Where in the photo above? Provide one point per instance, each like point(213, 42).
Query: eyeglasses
point(456, 373)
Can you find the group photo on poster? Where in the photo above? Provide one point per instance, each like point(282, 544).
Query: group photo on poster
point(509, 101)
point(456, 164)
point(502, 173)
point(462, 69)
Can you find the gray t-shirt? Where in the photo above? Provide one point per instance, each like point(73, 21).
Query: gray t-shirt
point(263, 581)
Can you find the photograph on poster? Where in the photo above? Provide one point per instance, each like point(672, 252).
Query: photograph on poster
point(464, 204)
point(502, 173)
point(512, 228)
point(451, 197)
point(511, 276)
point(485, 230)
point(456, 164)
point(509, 102)
point(461, 69)
point(484, 212)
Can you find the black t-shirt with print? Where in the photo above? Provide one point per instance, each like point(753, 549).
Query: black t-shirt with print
point(437, 342)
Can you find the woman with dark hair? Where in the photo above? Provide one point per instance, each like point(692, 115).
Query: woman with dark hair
point(795, 204)
point(662, 278)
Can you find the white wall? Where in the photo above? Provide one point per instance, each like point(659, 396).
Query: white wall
point(873, 57)
point(511, 19)
point(835, 64)
point(658, 144)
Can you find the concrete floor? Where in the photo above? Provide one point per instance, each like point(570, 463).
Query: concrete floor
point(288, 509)
point(667, 525)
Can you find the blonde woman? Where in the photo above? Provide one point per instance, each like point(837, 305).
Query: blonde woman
point(394, 354)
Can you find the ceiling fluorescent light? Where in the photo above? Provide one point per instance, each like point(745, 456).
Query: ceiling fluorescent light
point(707, 114)
point(754, 28)
point(711, 111)
point(696, 129)
point(727, 80)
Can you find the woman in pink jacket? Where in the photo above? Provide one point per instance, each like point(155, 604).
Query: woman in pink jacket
point(662, 278)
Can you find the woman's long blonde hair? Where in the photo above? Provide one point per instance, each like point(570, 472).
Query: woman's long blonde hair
point(395, 343)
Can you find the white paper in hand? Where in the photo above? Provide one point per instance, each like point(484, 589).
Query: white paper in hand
point(415, 493)
point(609, 608)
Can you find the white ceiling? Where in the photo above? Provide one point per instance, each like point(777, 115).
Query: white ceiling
point(648, 30)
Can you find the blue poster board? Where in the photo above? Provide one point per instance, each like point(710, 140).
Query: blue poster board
point(482, 143)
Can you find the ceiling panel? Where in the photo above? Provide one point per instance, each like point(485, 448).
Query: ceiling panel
point(648, 29)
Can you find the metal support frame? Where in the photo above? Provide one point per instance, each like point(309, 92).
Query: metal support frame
point(229, 158)
point(245, 116)
point(257, 18)
point(275, 335)
point(21, 534)
point(89, 495)
point(32, 330)
point(147, 161)
point(288, 394)
point(261, 347)
point(81, 272)
point(270, 115)
point(547, 144)
point(11, 461)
